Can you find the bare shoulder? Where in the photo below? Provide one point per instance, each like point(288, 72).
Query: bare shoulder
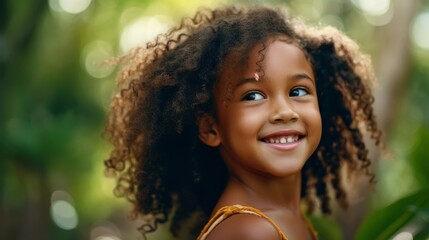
point(244, 226)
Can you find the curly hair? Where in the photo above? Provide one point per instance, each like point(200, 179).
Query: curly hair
point(160, 164)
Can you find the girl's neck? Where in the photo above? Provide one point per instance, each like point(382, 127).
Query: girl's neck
point(264, 193)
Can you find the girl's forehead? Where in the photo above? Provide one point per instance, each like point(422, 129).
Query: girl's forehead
point(253, 60)
point(254, 55)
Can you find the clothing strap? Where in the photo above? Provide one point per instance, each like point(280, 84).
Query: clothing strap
point(228, 211)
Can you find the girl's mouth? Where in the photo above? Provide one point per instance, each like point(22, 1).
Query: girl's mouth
point(282, 139)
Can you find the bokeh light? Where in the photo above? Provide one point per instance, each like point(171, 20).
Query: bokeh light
point(373, 7)
point(105, 231)
point(142, 30)
point(74, 6)
point(55, 5)
point(377, 13)
point(94, 56)
point(380, 20)
point(63, 212)
point(420, 30)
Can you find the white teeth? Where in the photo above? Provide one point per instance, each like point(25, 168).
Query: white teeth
point(289, 139)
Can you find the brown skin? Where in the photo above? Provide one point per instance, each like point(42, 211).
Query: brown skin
point(244, 227)
point(265, 175)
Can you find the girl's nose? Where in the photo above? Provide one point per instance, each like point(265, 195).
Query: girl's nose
point(282, 112)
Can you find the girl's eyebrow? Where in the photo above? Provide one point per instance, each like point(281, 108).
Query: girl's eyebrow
point(295, 77)
point(299, 76)
point(243, 81)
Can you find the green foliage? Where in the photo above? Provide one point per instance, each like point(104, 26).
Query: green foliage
point(411, 211)
point(420, 156)
point(409, 141)
point(326, 228)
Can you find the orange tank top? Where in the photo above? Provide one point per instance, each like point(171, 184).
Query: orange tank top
point(228, 211)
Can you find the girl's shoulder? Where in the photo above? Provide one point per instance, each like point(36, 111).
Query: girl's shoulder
point(241, 222)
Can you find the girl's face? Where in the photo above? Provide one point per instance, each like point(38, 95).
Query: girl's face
point(271, 126)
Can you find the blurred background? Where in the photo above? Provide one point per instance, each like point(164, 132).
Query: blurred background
point(54, 93)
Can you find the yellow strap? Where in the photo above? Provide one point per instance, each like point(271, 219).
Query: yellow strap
point(227, 211)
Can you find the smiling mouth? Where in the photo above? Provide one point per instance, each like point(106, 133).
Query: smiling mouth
point(282, 139)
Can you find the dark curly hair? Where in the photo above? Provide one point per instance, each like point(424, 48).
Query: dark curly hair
point(160, 164)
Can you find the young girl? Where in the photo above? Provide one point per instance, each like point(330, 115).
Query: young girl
point(231, 120)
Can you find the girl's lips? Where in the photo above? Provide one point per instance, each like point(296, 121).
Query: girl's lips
point(287, 134)
point(283, 140)
point(284, 146)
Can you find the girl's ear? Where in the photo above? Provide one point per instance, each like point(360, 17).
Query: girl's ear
point(208, 130)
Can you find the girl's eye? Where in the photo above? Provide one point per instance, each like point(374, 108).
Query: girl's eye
point(253, 96)
point(298, 92)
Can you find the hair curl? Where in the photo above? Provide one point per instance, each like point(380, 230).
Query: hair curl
point(160, 164)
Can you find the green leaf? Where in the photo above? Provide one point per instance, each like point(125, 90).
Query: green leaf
point(326, 228)
point(419, 157)
point(384, 223)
